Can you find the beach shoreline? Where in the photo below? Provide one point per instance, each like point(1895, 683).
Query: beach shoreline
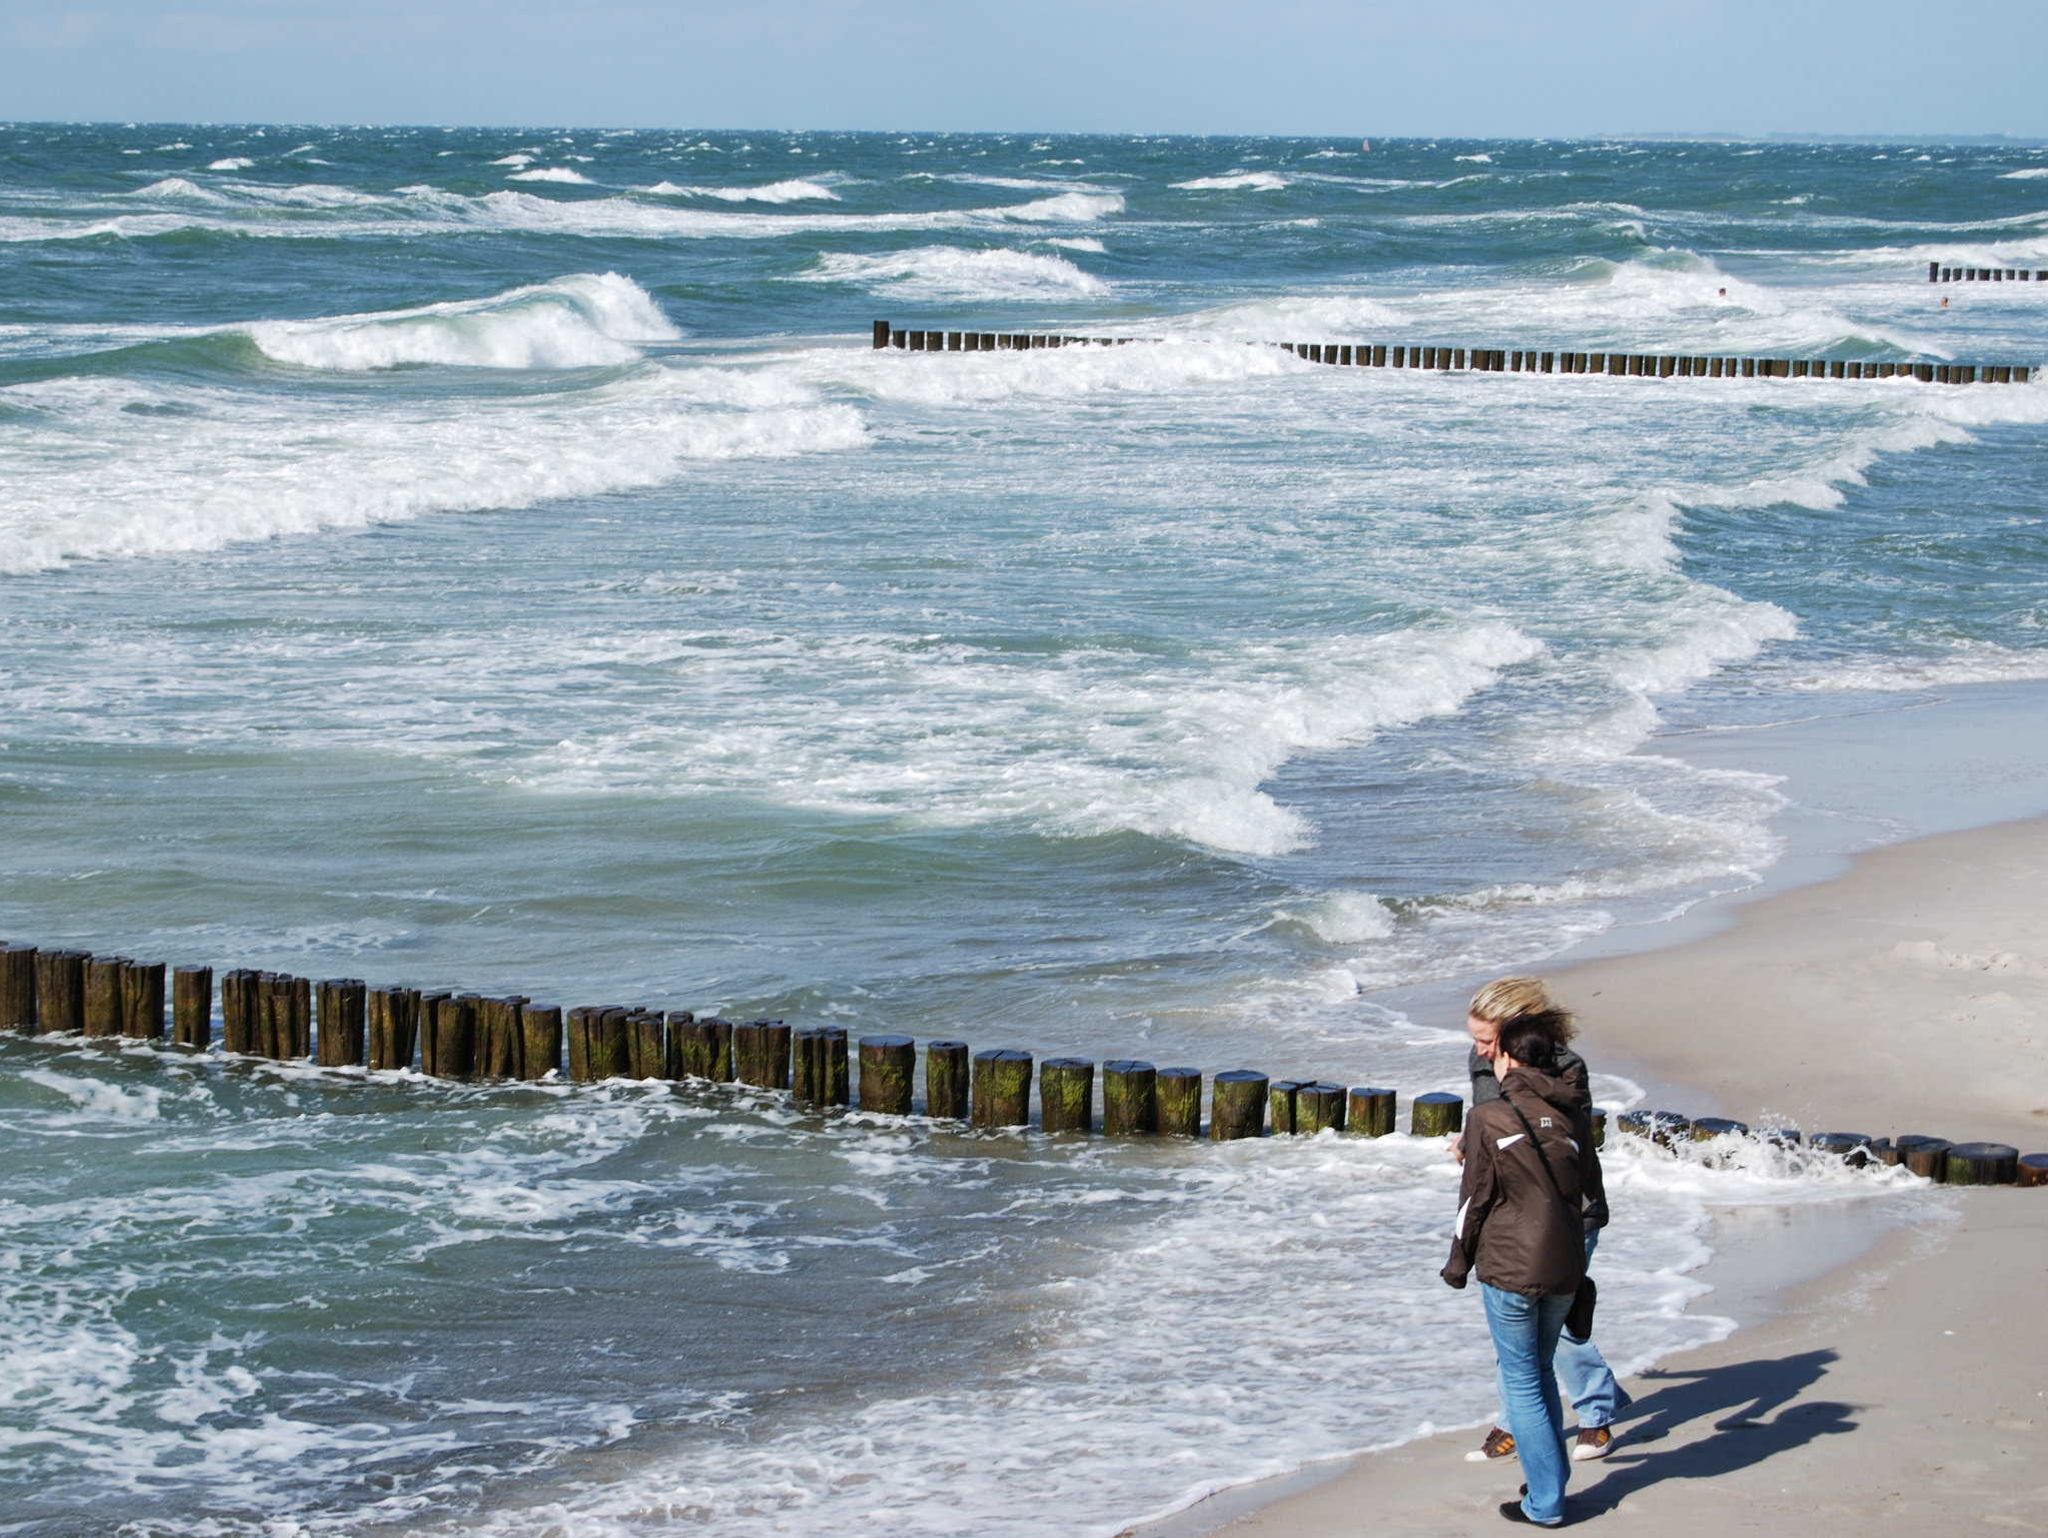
point(1905, 1384)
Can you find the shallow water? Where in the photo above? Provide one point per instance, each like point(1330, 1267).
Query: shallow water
point(419, 569)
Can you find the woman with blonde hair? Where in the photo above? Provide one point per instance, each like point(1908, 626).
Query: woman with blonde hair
point(1588, 1380)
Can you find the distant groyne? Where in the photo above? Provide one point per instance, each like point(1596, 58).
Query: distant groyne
point(1937, 273)
point(1501, 360)
point(344, 1024)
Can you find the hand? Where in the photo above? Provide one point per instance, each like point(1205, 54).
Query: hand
point(1458, 1148)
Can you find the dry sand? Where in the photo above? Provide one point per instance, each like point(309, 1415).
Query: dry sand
point(1905, 1392)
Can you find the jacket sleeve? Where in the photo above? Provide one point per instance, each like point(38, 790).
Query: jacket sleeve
point(1592, 1184)
point(1477, 1192)
point(1479, 1069)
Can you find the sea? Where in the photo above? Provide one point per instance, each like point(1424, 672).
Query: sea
point(496, 560)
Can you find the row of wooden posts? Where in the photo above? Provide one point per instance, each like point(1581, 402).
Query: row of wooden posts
point(1504, 360)
point(1936, 273)
point(343, 1023)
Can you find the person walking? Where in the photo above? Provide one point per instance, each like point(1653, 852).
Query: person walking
point(1530, 1172)
point(1596, 1396)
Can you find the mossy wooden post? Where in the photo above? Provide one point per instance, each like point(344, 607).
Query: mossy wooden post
point(1130, 1098)
point(454, 1036)
point(2032, 1170)
point(271, 1025)
point(945, 1080)
point(1598, 1117)
point(577, 1029)
point(1436, 1114)
point(888, 1074)
point(1237, 1104)
point(807, 1066)
point(692, 1046)
point(1981, 1164)
point(1002, 1088)
point(142, 1000)
point(646, 1045)
point(298, 996)
point(1066, 1094)
point(1317, 1106)
point(1371, 1112)
point(341, 1023)
point(1280, 1105)
point(1926, 1157)
point(881, 333)
point(838, 1067)
point(237, 1010)
point(540, 1041)
point(1179, 1092)
point(394, 1027)
point(775, 1061)
point(1708, 1127)
point(749, 1049)
point(1843, 1145)
point(103, 995)
point(192, 1007)
point(17, 988)
point(501, 1037)
point(611, 1055)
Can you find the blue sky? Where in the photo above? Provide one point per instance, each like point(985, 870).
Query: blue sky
point(1479, 68)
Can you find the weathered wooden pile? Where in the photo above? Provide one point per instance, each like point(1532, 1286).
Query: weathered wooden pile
point(1937, 273)
point(1503, 360)
point(343, 1023)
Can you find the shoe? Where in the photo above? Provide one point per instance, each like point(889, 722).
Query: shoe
point(1498, 1444)
point(1513, 1511)
point(1592, 1442)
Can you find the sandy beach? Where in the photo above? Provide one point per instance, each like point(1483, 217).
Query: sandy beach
point(1903, 1391)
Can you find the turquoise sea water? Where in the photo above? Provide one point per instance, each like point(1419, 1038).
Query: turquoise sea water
point(494, 559)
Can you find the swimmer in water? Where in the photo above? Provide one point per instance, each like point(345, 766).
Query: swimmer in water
point(1944, 301)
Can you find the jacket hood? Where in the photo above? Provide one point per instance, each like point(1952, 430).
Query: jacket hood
point(1557, 1090)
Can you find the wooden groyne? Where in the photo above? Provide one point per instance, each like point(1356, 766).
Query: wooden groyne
point(1937, 273)
point(1500, 360)
point(342, 1023)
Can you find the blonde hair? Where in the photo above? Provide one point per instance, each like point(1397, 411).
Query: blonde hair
point(1507, 1000)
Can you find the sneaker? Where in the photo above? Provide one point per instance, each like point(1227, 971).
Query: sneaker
point(1513, 1511)
point(1498, 1444)
point(1592, 1442)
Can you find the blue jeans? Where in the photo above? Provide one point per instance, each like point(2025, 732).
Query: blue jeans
point(1587, 1377)
point(1525, 1331)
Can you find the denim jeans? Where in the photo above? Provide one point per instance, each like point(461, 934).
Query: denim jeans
point(1588, 1380)
point(1525, 1331)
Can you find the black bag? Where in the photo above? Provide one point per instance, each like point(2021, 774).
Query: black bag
point(1578, 1323)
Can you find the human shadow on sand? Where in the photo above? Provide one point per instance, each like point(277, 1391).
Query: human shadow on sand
point(1757, 1410)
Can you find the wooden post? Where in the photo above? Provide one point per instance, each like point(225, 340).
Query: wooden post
point(501, 1037)
point(1981, 1164)
point(945, 1080)
point(838, 1073)
point(298, 1000)
point(1379, 354)
point(953, 341)
point(647, 1044)
point(238, 1010)
point(888, 1067)
point(1436, 1114)
point(692, 1047)
point(2032, 1170)
point(1002, 1088)
point(1598, 1118)
point(192, 1007)
point(103, 995)
point(578, 1029)
point(1707, 1127)
point(1066, 1094)
point(1926, 1157)
point(881, 333)
point(18, 988)
point(1850, 1147)
point(1179, 1095)
point(142, 1000)
point(394, 1026)
point(540, 1045)
point(1932, 269)
point(273, 1018)
point(811, 1080)
point(1237, 1105)
point(1130, 1098)
point(454, 1037)
point(1371, 1113)
point(341, 1021)
point(1400, 357)
point(1280, 1095)
point(1317, 1106)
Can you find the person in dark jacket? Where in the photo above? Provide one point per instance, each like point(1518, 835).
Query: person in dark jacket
point(1530, 1174)
point(1589, 1382)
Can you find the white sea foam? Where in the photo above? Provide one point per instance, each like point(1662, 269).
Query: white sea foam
point(793, 191)
point(232, 163)
point(578, 321)
point(2024, 174)
point(1477, 160)
point(1236, 181)
point(551, 174)
point(939, 273)
point(516, 160)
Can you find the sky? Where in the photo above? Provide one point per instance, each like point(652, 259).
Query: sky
point(1450, 68)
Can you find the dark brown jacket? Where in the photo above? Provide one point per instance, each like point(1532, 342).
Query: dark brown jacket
point(1569, 1069)
point(1512, 1228)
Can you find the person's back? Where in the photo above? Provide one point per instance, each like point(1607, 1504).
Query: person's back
point(1520, 1224)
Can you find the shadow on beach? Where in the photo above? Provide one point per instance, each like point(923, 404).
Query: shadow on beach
point(1754, 1410)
